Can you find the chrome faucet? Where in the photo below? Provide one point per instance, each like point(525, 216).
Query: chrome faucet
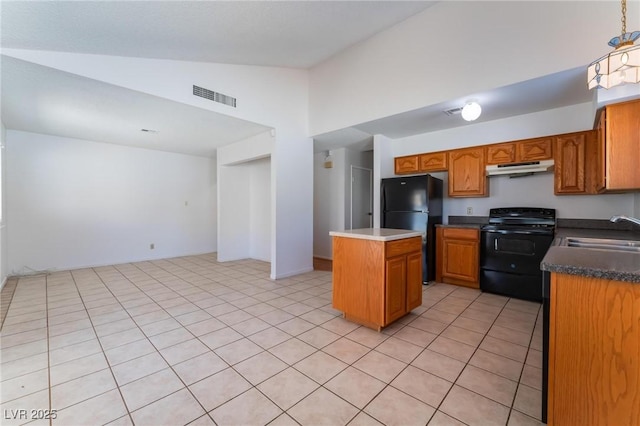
point(628, 219)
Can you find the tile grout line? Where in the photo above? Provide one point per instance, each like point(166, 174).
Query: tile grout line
point(75, 283)
point(475, 350)
point(185, 291)
point(157, 350)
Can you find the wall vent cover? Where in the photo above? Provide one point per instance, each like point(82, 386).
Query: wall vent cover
point(214, 96)
point(453, 111)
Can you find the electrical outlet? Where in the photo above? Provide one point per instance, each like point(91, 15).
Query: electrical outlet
point(469, 211)
point(152, 246)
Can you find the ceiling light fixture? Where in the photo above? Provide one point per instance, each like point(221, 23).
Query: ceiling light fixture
point(620, 66)
point(471, 111)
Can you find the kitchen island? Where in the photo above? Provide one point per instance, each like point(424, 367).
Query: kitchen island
point(592, 311)
point(377, 274)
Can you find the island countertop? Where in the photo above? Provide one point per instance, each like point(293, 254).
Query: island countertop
point(376, 234)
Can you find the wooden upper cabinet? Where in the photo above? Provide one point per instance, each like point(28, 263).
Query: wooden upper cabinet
point(520, 151)
point(600, 160)
point(535, 149)
point(406, 165)
point(575, 157)
point(570, 165)
point(501, 153)
point(621, 155)
point(433, 162)
point(467, 174)
point(421, 163)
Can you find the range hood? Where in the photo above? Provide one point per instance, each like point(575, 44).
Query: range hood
point(520, 169)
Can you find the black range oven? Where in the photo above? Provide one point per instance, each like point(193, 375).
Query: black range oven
point(512, 247)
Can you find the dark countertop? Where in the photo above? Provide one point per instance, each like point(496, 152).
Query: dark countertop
point(610, 265)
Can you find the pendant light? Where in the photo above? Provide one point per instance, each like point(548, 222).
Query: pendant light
point(620, 66)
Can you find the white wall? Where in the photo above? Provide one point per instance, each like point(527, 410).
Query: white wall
point(455, 49)
point(3, 208)
point(332, 195)
point(531, 191)
point(260, 209)
point(76, 203)
point(244, 229)
point(275, 97)
point(383, 167)
point(329, 201)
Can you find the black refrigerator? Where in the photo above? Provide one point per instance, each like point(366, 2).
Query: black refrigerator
point(414, 202)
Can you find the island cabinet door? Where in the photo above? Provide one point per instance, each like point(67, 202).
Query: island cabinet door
point(414, 281)
point(396, 288)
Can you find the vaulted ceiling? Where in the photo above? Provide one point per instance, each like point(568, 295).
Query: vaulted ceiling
point(298, 34)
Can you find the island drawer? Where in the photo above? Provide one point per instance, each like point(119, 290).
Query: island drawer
point(404, 246)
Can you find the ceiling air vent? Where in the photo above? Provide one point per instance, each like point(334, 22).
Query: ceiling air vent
point(453, 111)
point(214, 96)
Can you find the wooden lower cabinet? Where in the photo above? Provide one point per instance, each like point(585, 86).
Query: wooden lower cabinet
point(458, 256)
point(376, 282)
point(594, 351)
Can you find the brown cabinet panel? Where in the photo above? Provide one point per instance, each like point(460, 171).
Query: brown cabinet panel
point(433, 162)
point(501, 153)
point(535, 149)
point(404, 246)
point(358, 278)
point(396, 289)
point(594, 349)
point(467, 174)
point(622, 146)
point(570, 164)
point(457, 260)
point(576, 158)
point(414, 280)
point(461, 233)
point(600, 159)
point(370, 286)
point(458, 256)
point(406, 165)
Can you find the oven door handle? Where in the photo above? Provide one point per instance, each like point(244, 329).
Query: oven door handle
point(514, 232)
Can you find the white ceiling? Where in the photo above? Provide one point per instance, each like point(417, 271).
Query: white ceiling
point(296, 34)
point(275, 33)
point(44, 100)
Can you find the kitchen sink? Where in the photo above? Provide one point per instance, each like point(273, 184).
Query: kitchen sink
point(602, 244)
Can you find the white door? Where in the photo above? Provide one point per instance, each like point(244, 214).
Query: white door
point(361, 198)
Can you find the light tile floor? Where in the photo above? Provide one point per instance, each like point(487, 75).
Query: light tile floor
point(193, 341)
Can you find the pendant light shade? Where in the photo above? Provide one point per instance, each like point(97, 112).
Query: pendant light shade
point(620, 66)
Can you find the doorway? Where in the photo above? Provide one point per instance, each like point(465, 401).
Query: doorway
point(361, 197)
